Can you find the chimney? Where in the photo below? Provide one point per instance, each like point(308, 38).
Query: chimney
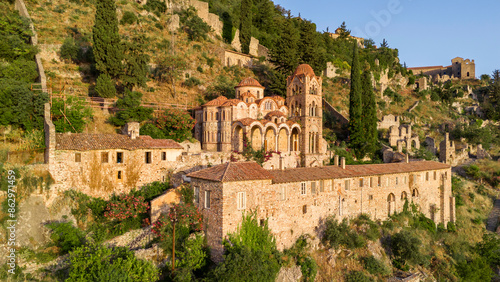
point(342, 162)
point(407, 158)
point(282, 166)
point(131, 129)
point(336, 160)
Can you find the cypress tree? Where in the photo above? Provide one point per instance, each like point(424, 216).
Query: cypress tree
point(105, 87)
point(285, 55)
point(246, 25)
point(107, 49)
point(369, 111)
point(356, 134)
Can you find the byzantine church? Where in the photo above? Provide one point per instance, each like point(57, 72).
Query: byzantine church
point(292, 126)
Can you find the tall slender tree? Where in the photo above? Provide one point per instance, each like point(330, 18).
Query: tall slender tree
point(285, 55)
point(246, 25)
point(108, 51)
point(369, 115)
point(356, 134)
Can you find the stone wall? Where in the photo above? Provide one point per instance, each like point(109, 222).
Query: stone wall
point(231, 58)
point(388, 121)
point(91, 175)
point(21, 7)
point(340, 117)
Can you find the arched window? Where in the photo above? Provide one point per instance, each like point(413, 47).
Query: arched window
point(268, 105)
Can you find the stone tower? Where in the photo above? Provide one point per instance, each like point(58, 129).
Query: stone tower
point(304, 99)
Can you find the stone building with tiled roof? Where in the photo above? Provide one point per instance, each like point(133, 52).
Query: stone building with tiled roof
point(297, 201)
point(102, 164)
point(292, 126)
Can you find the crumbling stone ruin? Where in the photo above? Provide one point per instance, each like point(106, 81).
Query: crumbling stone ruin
point(459, 69)
point(451, 154)
point(402, 137)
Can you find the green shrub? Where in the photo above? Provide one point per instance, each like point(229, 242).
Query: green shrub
point(451, 227)
point(424, 223)
point(196, 28)
point(157, 7)
point(251, 253)
point(69, 50)
point(474, 270)
point(441, 228)
point(192, 81)
point(374, 266)
point(308, 267)
point(94, 262)
point(71, 114)
point(171, 124)
point(66, 236)
point(337, 234)
point(20, 70)
point(128, 18)
point(130, 109)
point(357, 276)
point(405, 248)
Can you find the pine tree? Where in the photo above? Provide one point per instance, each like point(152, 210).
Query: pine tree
point(107, 49)
point(369, 112)
point(344, 32)
point(384, 44)
point(246, 25)
point(136, 63)
point(356, 134)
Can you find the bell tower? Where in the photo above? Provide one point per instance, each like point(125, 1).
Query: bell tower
point(304, 97)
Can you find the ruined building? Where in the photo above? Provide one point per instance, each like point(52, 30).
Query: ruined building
point(100, 164)
point(293, 126)
point(403, 138)
point(297, 201)
point(459, 69)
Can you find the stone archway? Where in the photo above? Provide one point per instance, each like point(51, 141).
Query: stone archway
point(256, 138)
point(237, 141)
point(269, 139)
point(391, 204)
point(283, 140)
point(294, 140)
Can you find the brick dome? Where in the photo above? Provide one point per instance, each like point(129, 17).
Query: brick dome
point(305, 70)
point(249, 82)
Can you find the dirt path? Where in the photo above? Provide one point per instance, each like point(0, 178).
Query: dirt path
point(492, 222)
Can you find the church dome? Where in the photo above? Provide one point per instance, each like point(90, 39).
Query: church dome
point(305, 70)
point(249, 82)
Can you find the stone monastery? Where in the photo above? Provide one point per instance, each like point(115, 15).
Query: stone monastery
point(295, 195)
point(297, 201)
point(459, 69)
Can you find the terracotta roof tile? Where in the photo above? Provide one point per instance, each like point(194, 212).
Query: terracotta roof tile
point(217, 101)
point(305, 70)
point(160, 143)
point(333, 172)
point(247, 94)
point(233, 171)
point(423, 68)
point(275, 114)
point(231, 102)
point(249, 82)
point(246, 121)
point(87, 142)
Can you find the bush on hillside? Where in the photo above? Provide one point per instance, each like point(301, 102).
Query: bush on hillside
point(94, 262)
point(340, 234)
point(128, 18)
point(171, 124)
point(66, 236)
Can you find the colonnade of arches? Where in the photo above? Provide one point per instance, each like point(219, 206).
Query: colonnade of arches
point(270, 138)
